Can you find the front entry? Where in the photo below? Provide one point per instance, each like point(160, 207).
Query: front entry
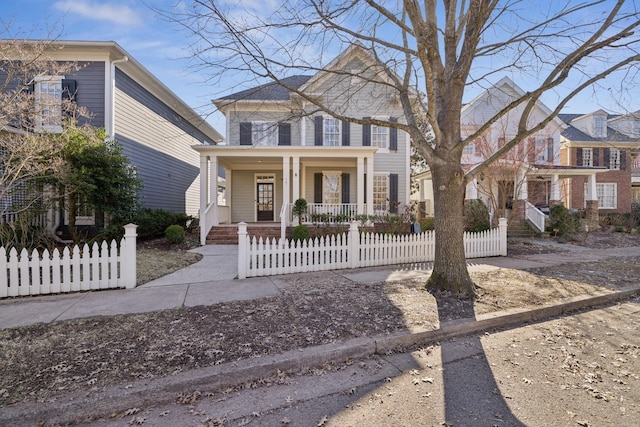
point(265, 200)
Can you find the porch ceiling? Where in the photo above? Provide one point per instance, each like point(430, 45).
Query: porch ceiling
point(564, 172)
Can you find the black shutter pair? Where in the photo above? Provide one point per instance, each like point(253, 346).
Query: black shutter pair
point(393, 134)
point(319, 132)
point(284, 133)
point(317, 188)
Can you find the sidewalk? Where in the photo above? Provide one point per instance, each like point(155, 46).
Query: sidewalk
point(212, 280)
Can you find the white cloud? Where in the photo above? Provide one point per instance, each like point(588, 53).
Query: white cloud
point(116, 13)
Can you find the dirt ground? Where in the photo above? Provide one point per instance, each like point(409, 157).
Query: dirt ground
point(43, 361)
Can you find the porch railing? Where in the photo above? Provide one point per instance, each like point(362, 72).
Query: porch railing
point(329, 212)
point(535, 215)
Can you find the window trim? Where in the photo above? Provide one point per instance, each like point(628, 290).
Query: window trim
point(338, 192)
point(601, 194)
point(587, 154)
point(387, 135)
point(38, 95)
point(599, 127)
point(270, 131)
point(325, 121)
point(385, 209)
point(614, 159)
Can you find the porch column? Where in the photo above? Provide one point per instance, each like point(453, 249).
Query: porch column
point(286, 187)
point(369, 185)
point(296, 178)
point(204, 191)
point(213, 189)
point(472, 190)
point(592, 215)
point(521, 195)
point(360, 173)
point(555, 198)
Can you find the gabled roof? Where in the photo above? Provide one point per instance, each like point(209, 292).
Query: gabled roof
point(273, 91)
point(572, 133)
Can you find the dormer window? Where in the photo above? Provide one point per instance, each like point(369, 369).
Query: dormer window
point(599, 127)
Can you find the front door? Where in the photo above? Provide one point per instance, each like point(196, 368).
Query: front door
point(265, 201)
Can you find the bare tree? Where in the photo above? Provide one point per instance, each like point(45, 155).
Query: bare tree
point(439, 49)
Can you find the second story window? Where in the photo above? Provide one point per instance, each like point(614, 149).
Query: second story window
point(331, 132)
point(379, 136)
point(264, 133)
point(48, 104)
point(469, 149)
point(614, 158)
point(587, 157)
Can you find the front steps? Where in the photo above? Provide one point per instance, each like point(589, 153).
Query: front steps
point(521, 228)
point(228, 235)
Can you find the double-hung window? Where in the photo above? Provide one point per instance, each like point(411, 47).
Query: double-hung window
point(48, 104)
point(599, 127)
point(380, 193)
point(379, 136)
point(264, 133)
point(587, 157)
point(607, 194)
point(331, 132)
point(614, 158)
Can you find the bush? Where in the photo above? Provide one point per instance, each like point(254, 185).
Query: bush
point(562, 221)
point(299, 209)
point(426, 224)
point(300, 232)
point(476, 216)
point(152, 223)
point(174, 234)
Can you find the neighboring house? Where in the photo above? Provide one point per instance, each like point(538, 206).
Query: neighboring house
point(599, 140)
point(155, 128)
point(532, 176)
point(280, 148)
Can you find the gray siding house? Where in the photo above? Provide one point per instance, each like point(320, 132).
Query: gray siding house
point(155, 127)
point(279, 147)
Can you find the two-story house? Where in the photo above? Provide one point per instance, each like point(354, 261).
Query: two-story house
point(599, 140)
point(154, 126)
point(529, 178)
point(280, 147)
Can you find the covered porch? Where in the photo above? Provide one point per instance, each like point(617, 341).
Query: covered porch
point(263, 182)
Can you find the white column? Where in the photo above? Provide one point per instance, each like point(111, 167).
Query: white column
point(472, 190)
point(591, 188)
point(286, 185)
point(555, 187)
point(213, 189)
point(128, 253)
point(296, 178)
point(360, 185)
point(523, 194)
point(204, 192)
point(369, 185)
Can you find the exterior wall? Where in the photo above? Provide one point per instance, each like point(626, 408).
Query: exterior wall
point(620, 177)
point(90, 90)
point(235, 117)
point(158, 142)
point(243, 194)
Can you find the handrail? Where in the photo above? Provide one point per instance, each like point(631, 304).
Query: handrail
point(535, 215)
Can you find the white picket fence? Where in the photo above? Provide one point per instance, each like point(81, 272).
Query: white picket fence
point(258, 257)
point(80, 269)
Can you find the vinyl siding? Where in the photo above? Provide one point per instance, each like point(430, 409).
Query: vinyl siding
point(158, 142)
point(243, 198)
point(237, 117)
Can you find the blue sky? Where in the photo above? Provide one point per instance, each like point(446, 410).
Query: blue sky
point(159, 46)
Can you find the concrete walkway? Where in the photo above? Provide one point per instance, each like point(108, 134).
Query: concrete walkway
point(212, 280)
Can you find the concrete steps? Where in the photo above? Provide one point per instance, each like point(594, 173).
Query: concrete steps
point(521, 228)
point(228, 235)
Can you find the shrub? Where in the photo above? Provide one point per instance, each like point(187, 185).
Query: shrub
point(174, 234)
point(563, 220)
point(300, 232)
point(152, 223)
point(426, 224)
point(476, 216)
point(299, 209)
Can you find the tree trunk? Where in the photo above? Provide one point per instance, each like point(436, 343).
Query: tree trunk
point(450, 265)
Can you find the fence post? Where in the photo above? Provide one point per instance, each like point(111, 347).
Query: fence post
point(502, 225)
point(128, 256)
point(242, 250)
point(354, 245)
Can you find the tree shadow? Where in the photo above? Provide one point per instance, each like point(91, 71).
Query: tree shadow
point(471, 394)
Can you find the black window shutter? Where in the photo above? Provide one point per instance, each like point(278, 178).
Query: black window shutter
point(623, 160)
point(69, 89)
point(607, 157)
point(345, 188)
point(365, 188)
point(245, 133)
point(366, 133)
point(318, 131)
point(578, 156)
point(317, 188)
point(284, 134)
point(393, 135)
point(550, 150)
point(596, 157)
point(346, 134)
point(393, 193)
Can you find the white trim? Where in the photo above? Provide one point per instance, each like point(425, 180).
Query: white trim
point(255, 193)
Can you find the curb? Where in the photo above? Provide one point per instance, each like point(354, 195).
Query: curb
point(116, 399)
